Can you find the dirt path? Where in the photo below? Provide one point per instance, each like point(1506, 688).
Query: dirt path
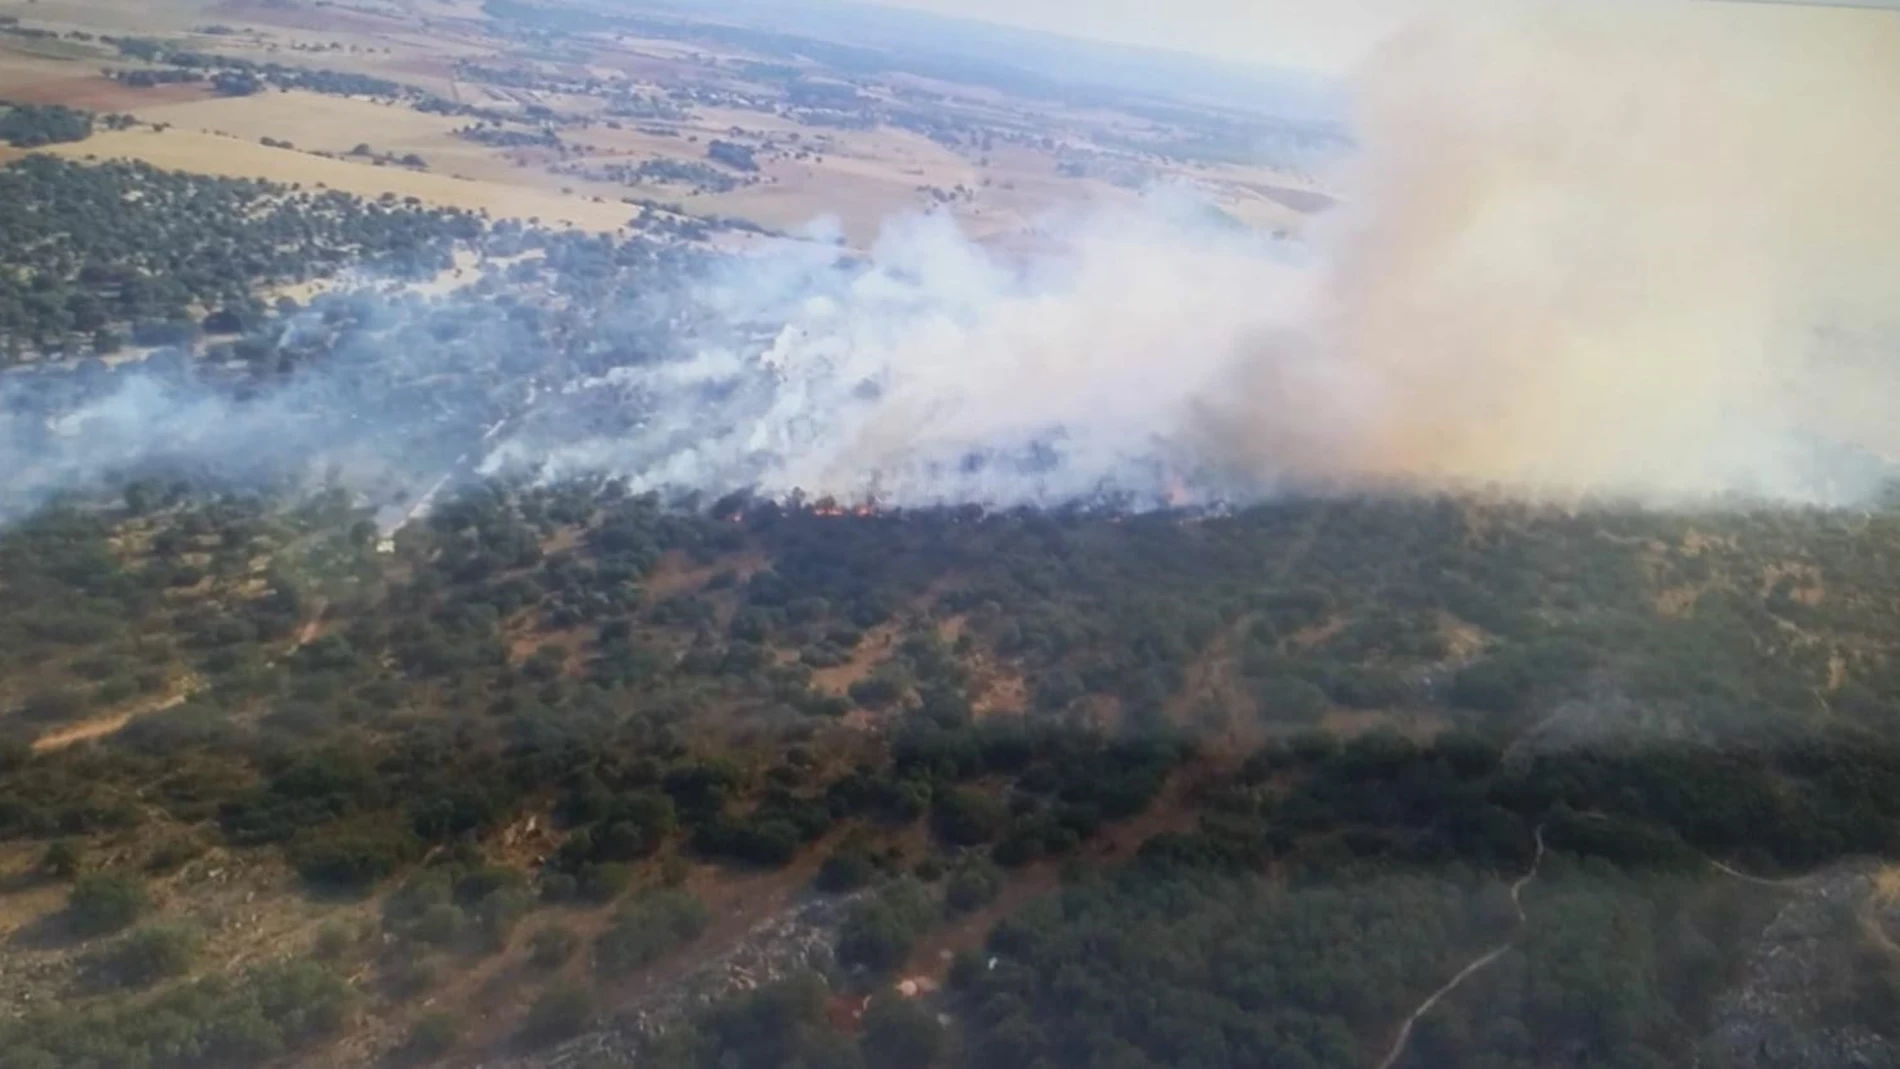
point(1759, 881)
point(1405, 1029)
point(99, 727)
point(312, 628)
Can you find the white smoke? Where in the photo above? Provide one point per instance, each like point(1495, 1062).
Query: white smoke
point(1611, 248)
point(948, 372)
point(1650, 251)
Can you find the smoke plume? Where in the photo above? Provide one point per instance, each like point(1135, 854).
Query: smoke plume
point(1643, 251)
point(1646, 251)
point(1636, 248)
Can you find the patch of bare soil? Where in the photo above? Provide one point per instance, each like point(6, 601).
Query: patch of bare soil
point(871, 651)
point(1213, 682)
point(1420, 727)
point(756, 918)
point(1803, 581)
point(1676, 602)
point(1308, 637)
point(677, 574)
point(103, 94)
point(1463, 641)
point(325, 18)
point(101, 726)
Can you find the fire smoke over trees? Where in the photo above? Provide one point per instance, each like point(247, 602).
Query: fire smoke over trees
point(1641, 250)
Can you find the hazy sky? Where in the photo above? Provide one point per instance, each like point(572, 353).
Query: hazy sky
point(1318, 35)
point(1331, 36)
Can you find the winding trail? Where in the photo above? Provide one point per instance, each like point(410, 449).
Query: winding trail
point(1760, 881)
point(1405, 1029)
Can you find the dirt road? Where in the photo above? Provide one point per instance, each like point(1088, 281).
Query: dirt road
point(1405, 1029)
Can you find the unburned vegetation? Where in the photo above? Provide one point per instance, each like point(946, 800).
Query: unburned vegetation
point(520, 738)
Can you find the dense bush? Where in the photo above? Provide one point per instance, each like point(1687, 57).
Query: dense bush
point(170, 246)
point(218, 1022)
point(433, 1036)
point(151, 953)
point(972, 886)
point(878, 933)
point(104, 902)
point(646, 928)
point(561, 1012)
point(900, 1034)
point(351, 860)
point(847, 868)
point(551, 946)
point(34, 125)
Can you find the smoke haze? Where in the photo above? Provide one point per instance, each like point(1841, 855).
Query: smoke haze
point(1635, 251)
point(1650, 252)
point(1618, 247)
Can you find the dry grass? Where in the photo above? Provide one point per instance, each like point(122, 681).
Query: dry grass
point(20, 74)
point(1887, 885)
point(185, 150)
point(677, 574)
point(311, 121)
point(111, 15)
point(872, 650)
point(100, 94)
point(1804, 582)
point(1350, 723)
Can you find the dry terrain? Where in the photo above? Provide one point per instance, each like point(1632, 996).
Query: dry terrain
point(857, 175)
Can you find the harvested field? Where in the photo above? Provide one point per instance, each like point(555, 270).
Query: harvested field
point(210, 154)
point(101, 94)
point(328, 21)
point(21, 74)
point(312, 122)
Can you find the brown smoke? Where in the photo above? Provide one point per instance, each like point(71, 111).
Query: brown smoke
point(1651, 249)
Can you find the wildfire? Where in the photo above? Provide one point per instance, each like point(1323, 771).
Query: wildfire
point(829, 507)
point(1175, 491)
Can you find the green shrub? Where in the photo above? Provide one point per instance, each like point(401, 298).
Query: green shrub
point(647, 928)
point(1289, 699)
point(433, 1035)
point(971, 887)
point(550, 947)
point(560, 1013)
point(61, 859)
point(604, 883)
point(966, 818)
point(154, 952)
point(105, 902)
point(334, 938)
point(173, 851)
point(351, 861)
point(899, 1034)
point(847, 869)
point(878, 934)
point(1497, 685)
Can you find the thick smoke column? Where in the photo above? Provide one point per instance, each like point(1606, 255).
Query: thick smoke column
point(1646, 251)
point(1642, 248)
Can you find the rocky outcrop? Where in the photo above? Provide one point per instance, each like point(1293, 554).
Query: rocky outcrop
point(800, 938)
point(1777, 1017)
